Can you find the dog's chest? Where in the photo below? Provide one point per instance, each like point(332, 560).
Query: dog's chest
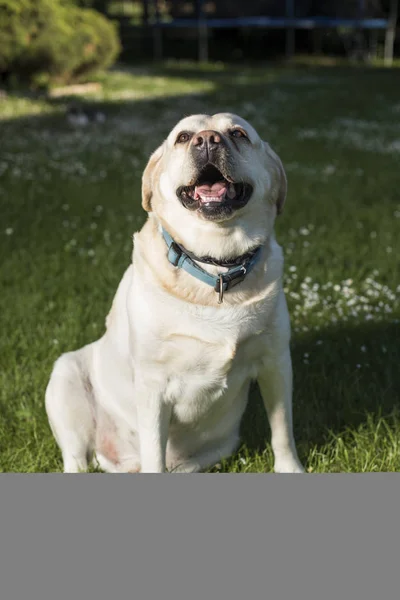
point(208, 360)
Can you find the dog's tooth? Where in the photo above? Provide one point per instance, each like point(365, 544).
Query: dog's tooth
point(207, 199)
point(231, 191)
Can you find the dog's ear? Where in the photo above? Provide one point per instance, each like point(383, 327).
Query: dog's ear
point(148, 177)
point(282, 191)
point(279, 180)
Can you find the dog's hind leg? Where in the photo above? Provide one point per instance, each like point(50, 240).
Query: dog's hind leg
point(69, 406)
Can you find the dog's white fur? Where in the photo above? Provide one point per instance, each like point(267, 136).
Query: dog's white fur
point(167, 384)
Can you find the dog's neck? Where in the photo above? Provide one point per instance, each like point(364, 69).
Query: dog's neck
point(152, 252)
point(218, 246)
point(224, 262)
point(237, 269)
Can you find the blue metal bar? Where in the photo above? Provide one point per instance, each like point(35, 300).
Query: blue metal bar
point(281, 23)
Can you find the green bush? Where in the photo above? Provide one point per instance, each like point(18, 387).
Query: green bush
point(97, 37)
point(53, 40)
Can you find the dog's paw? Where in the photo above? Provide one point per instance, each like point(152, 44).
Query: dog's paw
point(185, 467)
point(288, 465)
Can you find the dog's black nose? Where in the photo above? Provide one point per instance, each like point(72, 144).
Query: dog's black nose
point(207, 140)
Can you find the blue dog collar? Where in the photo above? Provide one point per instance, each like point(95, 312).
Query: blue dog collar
point(179, 257)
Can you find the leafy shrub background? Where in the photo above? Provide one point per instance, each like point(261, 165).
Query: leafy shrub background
point(53, 40)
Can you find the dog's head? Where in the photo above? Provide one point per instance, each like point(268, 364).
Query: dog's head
point(216, 168)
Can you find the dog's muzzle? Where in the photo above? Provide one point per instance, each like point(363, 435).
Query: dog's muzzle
point(214, 195)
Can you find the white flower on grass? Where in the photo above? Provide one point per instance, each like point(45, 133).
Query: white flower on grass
point(373, 234)
point(304, 231)
point(363, 348)
point(242, 460)
point(65, 207)
point(307, 133)
point(93, 226)
point(91, 252)
point(329, 169)
point(9, 231)
point(292, 269)
point(55, 342)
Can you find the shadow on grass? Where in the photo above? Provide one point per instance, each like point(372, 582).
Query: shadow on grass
point(225, 87)
point(258, 80)
point(225, 84)
point(352, 372)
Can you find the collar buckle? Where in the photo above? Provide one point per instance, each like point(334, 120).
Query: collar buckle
point(228, 280)
point(174, 254)
point(181, 259)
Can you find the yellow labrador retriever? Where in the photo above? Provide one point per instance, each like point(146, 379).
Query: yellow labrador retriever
point(198, 315)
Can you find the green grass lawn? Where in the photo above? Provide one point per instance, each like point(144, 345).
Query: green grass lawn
point(70, 202)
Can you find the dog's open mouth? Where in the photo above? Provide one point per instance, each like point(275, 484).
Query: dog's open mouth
point(213, 191)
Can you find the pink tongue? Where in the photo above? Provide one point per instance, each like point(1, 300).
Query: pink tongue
point(215, 190)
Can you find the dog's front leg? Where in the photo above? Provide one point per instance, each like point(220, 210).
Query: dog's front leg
point(153, 424)
point(275, 382)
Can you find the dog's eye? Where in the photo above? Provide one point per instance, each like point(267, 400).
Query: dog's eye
point(238, 133)
point(183, 137)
